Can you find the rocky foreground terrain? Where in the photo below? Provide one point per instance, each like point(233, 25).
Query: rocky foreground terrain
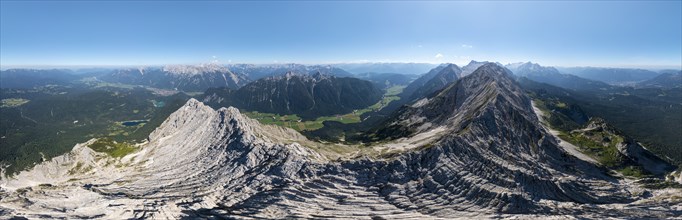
point(476, 149)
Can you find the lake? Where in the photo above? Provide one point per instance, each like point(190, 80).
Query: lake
point(158, 104)
point(133, 123)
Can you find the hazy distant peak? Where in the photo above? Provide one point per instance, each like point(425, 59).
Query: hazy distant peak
point(195, 69)
point(472, 66)
point(474, 62)
point(514, 66)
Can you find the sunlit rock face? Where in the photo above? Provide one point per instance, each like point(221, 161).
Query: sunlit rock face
point(490, 158)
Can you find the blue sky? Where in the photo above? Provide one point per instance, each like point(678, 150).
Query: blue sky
point(605, 33)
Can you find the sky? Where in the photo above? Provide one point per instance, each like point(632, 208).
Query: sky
point(575, 33)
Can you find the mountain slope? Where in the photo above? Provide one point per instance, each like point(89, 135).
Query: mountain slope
point(449, 74)
point(304, 95)
point(462, 99)
point(652, 116)
point(665, 80)
point(434, 80)
point(489, 158)
point(197, 151)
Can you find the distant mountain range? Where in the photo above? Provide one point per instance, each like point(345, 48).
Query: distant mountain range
point(308, 96)
point(552, 76)
point(255, 72)
point(194, 78)
point(179, 77)
point(401, 68)
point(613, 76)
point(29, 78)
point(667, 79)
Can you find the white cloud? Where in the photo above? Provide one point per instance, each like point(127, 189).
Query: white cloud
point(439, 56)
point(467, 46)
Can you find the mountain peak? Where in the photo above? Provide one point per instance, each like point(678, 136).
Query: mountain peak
point(432, 81)
point(491, 69)
point(530, 69)
point(474, 62)
point(452, 66)
point(458, 102)
point(192, 102)
point(472, 66)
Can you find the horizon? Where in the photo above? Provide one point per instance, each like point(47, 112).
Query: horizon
point(157, 33)
point(81, 67)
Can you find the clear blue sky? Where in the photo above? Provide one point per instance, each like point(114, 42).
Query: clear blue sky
point(605, 33)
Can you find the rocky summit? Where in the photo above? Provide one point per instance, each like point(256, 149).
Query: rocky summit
point(474, 149)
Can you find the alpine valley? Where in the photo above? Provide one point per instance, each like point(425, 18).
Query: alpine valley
point(379, 141)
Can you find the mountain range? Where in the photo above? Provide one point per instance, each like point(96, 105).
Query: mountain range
point(192, 78)
point(255, 72)
point(474, 149)
point(552, 76)
point(308, 96)
point(373, 67)
point(667, 79)
point(613, 76)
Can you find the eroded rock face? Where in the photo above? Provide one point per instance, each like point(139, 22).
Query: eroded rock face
point(492, 160)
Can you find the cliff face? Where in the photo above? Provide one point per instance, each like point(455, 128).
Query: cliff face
point(473, 150)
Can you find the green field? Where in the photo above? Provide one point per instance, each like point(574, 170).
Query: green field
point(296, 123)
point(112, 148)
point(9, 103)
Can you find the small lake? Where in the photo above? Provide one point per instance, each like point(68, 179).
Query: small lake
point(133, 123)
